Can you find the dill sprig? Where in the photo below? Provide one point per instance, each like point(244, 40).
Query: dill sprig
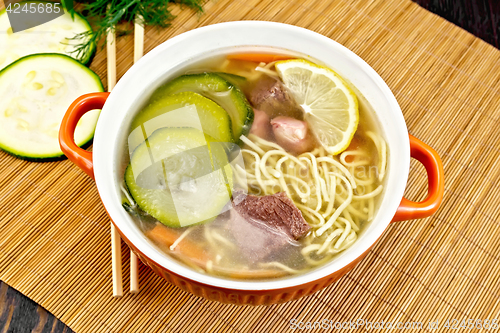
point(105, 15)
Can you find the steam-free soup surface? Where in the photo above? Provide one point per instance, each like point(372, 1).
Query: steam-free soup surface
point(250, 169)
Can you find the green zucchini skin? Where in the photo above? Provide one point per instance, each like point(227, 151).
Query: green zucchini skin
point(98, 79)
point(235, 80)
point(58, 156)
point(91, 54)
point(157, 200)
point(213, 119)
point(210, 85)
point(45, 159)
point(93, 50)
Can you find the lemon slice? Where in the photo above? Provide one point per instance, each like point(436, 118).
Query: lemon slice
point(331, 108)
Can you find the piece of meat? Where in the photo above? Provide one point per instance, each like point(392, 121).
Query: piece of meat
point(254, 239)
point(276, 211)
point(293, 134)
point(270, 95)
point(261, 125)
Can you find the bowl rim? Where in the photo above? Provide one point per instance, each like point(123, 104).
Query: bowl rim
point(255, 34)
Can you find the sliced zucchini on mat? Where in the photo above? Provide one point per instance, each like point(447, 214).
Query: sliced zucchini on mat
point(51, 37)
point(179, 177)
point(186, 109)
point(220, 91)
point(35, 92)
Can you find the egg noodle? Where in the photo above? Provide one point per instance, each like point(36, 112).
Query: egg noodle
point(336, 194)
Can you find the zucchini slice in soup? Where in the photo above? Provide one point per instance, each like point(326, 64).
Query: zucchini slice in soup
point(180, 176)
point(218, 89)
point(35, 92)
point(186, 109)
point(55, 36)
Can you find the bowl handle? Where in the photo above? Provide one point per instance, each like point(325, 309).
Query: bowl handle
point(409, 210)
point(77, 109)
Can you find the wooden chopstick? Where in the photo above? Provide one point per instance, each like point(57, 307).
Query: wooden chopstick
point(138, 52)
point(116, 262)
point(111, 51)
point(116, 248)
point(138, 39)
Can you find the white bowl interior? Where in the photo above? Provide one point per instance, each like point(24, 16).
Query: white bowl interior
point(170, 60)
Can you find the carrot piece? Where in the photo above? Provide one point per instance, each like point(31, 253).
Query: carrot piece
point(164, 237)
point(190, 253)
point(355, 143)
point(258, 57)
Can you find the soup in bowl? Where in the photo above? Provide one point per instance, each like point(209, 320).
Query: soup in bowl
point(252, 162)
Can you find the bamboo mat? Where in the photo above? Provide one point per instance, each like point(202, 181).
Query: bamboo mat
point(54, 239)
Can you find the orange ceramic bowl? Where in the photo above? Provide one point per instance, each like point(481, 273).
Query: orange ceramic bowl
point(169, 60)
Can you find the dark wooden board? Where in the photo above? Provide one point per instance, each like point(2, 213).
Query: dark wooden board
point(479, 17)
point(19, 314)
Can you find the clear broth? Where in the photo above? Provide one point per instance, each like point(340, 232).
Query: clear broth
point(212, 247)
